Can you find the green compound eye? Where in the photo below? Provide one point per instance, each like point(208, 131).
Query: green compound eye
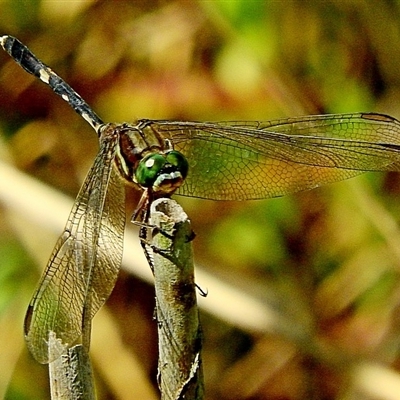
point(179, 161)
point(166, 171)
point(149, 168)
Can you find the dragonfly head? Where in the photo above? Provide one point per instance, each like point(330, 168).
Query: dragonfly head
point(163, 172)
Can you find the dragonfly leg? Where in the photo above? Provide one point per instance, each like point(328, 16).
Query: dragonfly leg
point(149, 249)
point(141, 214)
point(203, 293)
point(140, 218)
point(146, 246)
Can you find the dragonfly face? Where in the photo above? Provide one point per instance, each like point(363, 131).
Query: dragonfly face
point(147, 159)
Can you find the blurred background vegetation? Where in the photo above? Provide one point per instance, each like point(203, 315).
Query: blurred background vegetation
point(325, 261)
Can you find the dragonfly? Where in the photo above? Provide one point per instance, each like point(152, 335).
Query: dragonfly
point(231, 160)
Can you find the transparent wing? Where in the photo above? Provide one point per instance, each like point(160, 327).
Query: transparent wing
point(84, 265)
point(253, 160)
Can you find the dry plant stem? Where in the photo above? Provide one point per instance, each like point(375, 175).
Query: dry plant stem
point(70, 374)
point(180, 372)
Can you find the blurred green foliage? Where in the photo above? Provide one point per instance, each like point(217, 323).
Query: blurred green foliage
point(329, 258)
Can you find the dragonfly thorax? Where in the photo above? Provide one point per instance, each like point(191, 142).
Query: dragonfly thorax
point(145, 158)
